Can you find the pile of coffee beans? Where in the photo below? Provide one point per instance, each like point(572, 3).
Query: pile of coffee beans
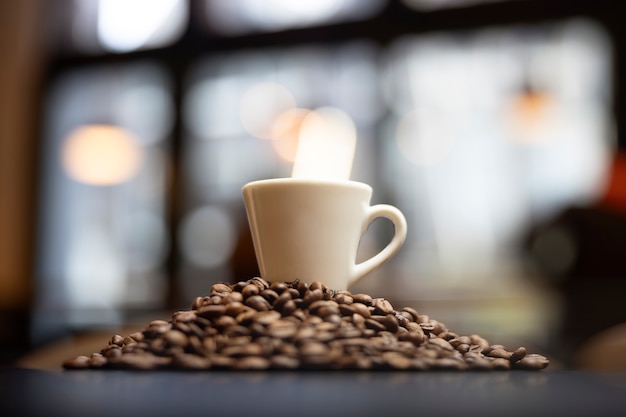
point(256, 325)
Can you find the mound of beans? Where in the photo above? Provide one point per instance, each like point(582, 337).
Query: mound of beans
point(257, 325)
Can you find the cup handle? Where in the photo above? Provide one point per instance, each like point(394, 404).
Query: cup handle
point(400, 228)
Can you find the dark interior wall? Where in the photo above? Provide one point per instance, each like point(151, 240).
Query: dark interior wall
point(21, 59)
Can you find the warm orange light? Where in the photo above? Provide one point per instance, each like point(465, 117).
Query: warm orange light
point(101, 155)
point(326, 145)
point(530, 114)
point(286, 132)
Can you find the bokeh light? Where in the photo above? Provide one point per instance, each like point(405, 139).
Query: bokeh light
point(101, 155)
point(128, 25)
point(261, 104)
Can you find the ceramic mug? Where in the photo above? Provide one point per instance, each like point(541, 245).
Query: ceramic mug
point(310, 229)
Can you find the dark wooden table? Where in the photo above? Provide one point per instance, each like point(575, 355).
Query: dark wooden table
point(31, 392)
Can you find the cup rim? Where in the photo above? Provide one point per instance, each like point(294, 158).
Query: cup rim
point(307, 182)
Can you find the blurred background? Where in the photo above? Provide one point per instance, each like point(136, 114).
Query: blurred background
point(128, 127)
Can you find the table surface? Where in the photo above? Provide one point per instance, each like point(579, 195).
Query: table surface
point(175, 393)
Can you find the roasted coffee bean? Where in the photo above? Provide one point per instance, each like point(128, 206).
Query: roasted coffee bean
point(234, 309)
point(282, 329)
point(312, 296)
point(79, 362)
point(382, 306)
point(256, 329)
point(258, 303)
point(282, 299)
point(236, 331)
point(517, 355)
point(450, 364)
point(346, 310)
point(197, 303)
point(316, 305)
point(316, 285)
point(463, 348)
point(266, 317)
point(304, 333)
point(477, 340)
point(278, 287)
point(460, 341)
point(284, 362)
point(289, 308)
point(248, 349)
point(141, 361)
point(438, 327)
point(302, 288)
point(499, 353)
point(478, 363)
point(328, 310)
point(414, 337)
point(396, 360)
point(374, 325)
point(252, 363)
point(97, 361)
point(137, 336)
point(361, 309)
point(390, 322)
point(446, 335)
point(175, 338)
point(223, 362)
point(343, 299)
point(250, 290)
point(532, 362)
point(412, 312)
point(183, 327)
point(190, 361)
point(427, 326)
point(290, 325)
point(260, 282)
point(363, 299)
point(232, 297)
point(221, 288)
point(270, 295)
point(500, 364)
point(216, 298)
point(246, 317)
point(211, 311)
point(184, 316)
point(117, 340)
point(112, 352)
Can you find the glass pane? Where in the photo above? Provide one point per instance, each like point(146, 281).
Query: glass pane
point(492, 131)
point(102, 217)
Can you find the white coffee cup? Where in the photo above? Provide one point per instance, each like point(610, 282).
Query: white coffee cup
point(310, 229)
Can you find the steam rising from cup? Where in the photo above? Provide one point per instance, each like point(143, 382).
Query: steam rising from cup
point(326, 146)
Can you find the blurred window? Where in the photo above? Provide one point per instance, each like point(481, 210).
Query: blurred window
point(156, 120)
point(103, 233)
point(496, 129)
